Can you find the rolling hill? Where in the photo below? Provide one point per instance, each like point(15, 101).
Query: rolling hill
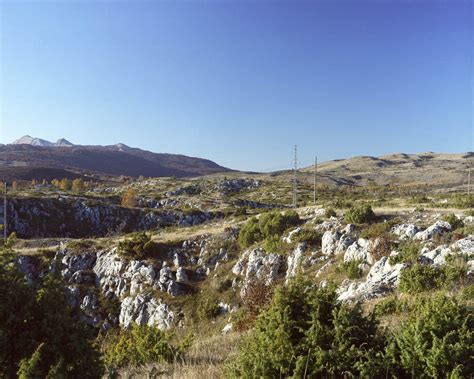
point(116, 160)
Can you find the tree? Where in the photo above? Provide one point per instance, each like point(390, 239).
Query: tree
point(78, 185)
point(307, 333)
point(38, 333)
point(15, 185)
point(129, 199)
point(65, 184)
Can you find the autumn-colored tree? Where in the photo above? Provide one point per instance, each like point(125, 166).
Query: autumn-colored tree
point(78, 185)
point(65, 184)
point(34, 183)
point(129, 199)
point(14, 185)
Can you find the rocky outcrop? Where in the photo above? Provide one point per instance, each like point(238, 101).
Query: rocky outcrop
point(437, 229)
point(143, 309)
point(405, 231)
point(74, 217)
point(382, 278)
point(361, 250)
point(236, 185)
point(438, 256)
point(256, 264)
point(294, 261)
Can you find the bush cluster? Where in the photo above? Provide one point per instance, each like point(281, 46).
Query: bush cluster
point(39, 335)
point(360, 214)
point(140, 345)
point(351, 269)
point(269, 224)
point(419, 277)
point(140, 246)
point(455, 222)
point(306, 332)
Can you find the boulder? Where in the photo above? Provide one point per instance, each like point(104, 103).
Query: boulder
point(437, 229)
point(145, 310)
point(360, 251)
point(405, 231)
point(329, 242)
point(382, 278)
point(294, 261)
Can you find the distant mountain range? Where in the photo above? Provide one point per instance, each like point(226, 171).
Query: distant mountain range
point(36, 158)
point(28, 140)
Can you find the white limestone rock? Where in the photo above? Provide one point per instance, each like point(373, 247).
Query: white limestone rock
point(382, 278)
point(437, 229)
point(360, 251)
point(145, 310)
point(405, 231)
point(294, 261)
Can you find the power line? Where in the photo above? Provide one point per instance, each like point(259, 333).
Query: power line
point(5, 211)
point(295, 183)
point(469, 182)
point(315, 173)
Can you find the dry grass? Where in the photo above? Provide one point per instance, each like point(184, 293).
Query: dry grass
point(205, 359)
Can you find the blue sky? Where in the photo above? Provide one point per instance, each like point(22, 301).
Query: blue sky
point(240, 82)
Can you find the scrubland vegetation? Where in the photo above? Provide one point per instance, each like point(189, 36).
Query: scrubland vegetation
point(251, 291)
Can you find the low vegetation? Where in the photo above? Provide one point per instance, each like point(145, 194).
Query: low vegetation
point(270, 224)
point(360, 214)
point(307, 333)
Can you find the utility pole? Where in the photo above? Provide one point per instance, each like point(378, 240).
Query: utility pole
point(469, 182)
point(315, 173)
point(295, 183)
point(5, 211)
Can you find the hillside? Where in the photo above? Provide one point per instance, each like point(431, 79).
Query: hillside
point(448, 171)
point(103, 160)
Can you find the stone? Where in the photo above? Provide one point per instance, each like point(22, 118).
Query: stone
point(437, 229)
point(360, 251)
point(227, 328)
point(294, 261)
point(145, 310)
point(182, 276)
point(381, 279)
point(329, 242)
point(405, 231)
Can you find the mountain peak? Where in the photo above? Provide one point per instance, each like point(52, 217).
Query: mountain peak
point(63, 142)
point(29, 140)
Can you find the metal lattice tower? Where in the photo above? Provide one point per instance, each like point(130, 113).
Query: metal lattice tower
point(5, 211)
point(469, 182)
point(295, 179)
point(314, 181)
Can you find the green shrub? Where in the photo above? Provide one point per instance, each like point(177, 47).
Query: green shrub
point(408, 252)
point(419, 278)
point(269, 225)
point(137, 346)
point(38, 333)
point(330, 212)
point(360, 214)
point(437, 341)
point(310, 236)
point(351, 269)
point(376, 230)
point(141, 246)
point(250, 233)
point(455, 222)
point(306, 332)
point(391, 304)
point(464, 201)
point(420, 199)
point(208, 308)
point(274, 244)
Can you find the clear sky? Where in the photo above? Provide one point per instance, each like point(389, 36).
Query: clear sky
point(241, 82)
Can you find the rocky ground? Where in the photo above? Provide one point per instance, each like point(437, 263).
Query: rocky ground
point(196, 265)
